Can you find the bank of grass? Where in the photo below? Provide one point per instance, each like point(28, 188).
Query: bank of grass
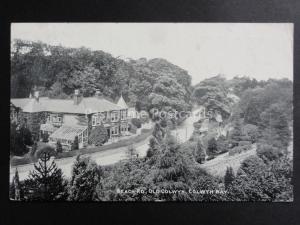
point(26, 159)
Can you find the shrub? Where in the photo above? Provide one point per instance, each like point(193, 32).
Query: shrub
point(45, 137)
point(98, 136)
point(136, 122)
point(75, 144)
point(59, 148)
point(132, 129)
point(252, 131)
point(212, 147)
point(238, 149)
point(222, 145)
point(268, 152)
point(244, 143)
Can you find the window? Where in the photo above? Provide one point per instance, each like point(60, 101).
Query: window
point(94, 120)
point(114, 116)
point(123, 115)
point(56, 118)
point(123, 127)
point(114, 130)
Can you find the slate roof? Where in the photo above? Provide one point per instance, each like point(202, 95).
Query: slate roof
point(86, 105)
point(122, 103)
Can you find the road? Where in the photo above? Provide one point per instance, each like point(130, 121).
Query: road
point(109, 156)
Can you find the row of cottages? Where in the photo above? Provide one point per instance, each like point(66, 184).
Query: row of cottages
point(65, 119)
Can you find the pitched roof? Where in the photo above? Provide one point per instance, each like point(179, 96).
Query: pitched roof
point(86, 106)
point(122, 103)
point(68, 132)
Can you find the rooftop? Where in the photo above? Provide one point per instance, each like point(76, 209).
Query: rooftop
point(85, 106)
point(68, 132)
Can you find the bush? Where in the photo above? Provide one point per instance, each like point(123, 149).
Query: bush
point(59, 148)
point(132, 129)
point(252, 131)
point(136, 122)
point(268, 152)
point(212, 147)
point(239, 149)
point(244, 143)
point(222, 145)
point(45, 137)
point(98, 136)
point(75, 144)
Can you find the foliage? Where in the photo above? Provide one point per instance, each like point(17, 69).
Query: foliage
point(16, 189)
point(222, 144)
point(59, 148)
point(45, 137)
point(212, 93)
point(257, 181)
point(20, 138)
point(57, 71)
point(229, 177)
point(98, 136)
point(267, 152)
point(212, 147)
point(200, 152)
point(136, 122)
point(274, 119)
point(252, 131)
point(46, 181)
point(131, 152)
point(239, 149)
point(84, 181)
point(75, 144)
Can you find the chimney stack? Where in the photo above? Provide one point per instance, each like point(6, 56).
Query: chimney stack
point(36, 95)
point(76, 97)
point(98, 94)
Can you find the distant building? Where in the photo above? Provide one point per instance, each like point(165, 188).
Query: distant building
point(64, 119)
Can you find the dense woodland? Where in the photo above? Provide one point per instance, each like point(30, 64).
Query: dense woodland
point(262, 117)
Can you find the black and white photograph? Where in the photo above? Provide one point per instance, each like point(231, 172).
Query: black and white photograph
point(151, 112)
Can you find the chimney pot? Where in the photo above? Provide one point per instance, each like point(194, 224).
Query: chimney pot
point(76, 97)
point(36, 95)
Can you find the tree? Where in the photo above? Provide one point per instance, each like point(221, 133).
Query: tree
point(59, 148)
point(20, 138)
point(15, 191)
point(212, 147)
point(274, 118)
point(252, 131)
point(172, 171)
point(45, 137)
point(131, 152)
point(136, 122)
point(200, 152)
point(84, 180)
point(46, 181)
point(229, 177)
point(98, 136)
point(75, 144)
point(236, 135)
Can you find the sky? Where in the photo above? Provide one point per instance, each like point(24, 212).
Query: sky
point(257, 50)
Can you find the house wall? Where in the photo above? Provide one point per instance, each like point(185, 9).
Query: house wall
point(33, 121)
